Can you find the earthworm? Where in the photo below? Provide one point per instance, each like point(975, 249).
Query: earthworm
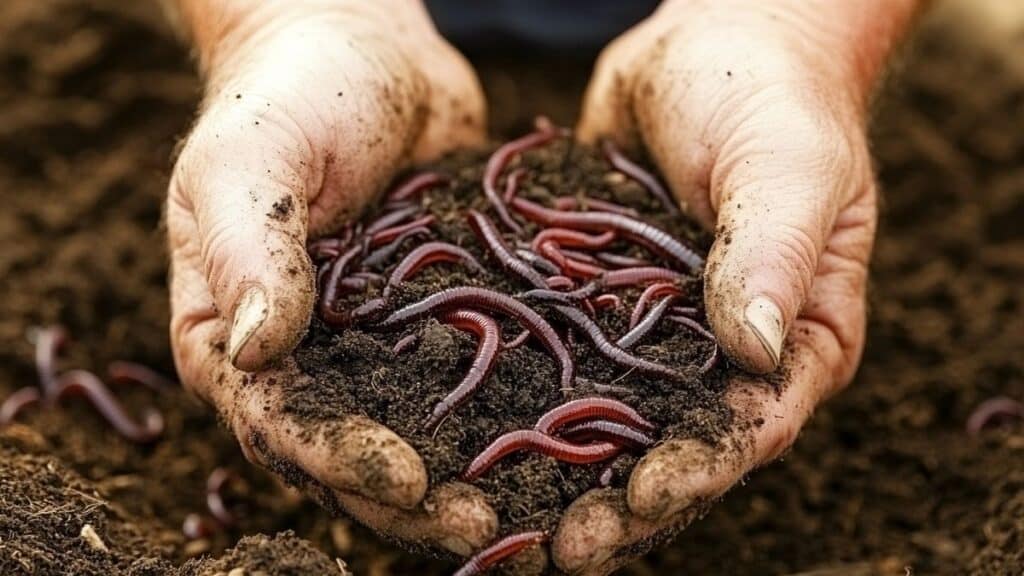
point(696, 327)
point(537, 261)
point(1000, 407)
point(215, 499)
point(642, 328)
point(425, 255)
point(353, 284)
point(586, 203)
point(559, 282)
point(606, 301)
point(605, 431)
point(488, 233)
point(80, 382)
point(535, 441)
point(647, 235)
point(488, 335)
point(390, 234)
point(620, 260)
point(326, 248)
point(517, 341)
point(390, 219)
point(581, 256)
point(195, 527)
point(49, 342)
point(604, 480)
point(685, 310)
point(512, 183)
point(571, 267)
point(653, 291)
point(122, 371)
point(500, 551)
point(572, 238)
point(497, 162)
point(578, 319)
point(625, 277)
point(636, 172)
point(496, 302)
point(416, 184)
point(331, 291)
point(592, 408)
point(18, 400)
point(378, 257)
point(404, 342)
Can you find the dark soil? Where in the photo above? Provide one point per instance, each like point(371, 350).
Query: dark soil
point(92, 97)
point(357, 372)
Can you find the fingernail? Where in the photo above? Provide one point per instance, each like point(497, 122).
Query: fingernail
point(764, 319)
point(251, 311)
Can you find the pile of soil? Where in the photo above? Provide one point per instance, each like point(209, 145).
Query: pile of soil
point(355, 370)
point(92, 97)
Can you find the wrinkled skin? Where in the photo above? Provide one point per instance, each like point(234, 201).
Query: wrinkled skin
point(755, 113)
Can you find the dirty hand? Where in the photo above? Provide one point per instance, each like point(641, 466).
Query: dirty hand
point(310, 108)
point(755, 113)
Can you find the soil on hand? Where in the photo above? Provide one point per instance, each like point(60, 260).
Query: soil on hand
point(93, 96)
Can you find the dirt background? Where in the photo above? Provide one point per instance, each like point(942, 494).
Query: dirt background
point(93, 96)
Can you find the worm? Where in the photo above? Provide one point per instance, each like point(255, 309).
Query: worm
point(559, 282)
point(500, 551)
point(512, 183)
point(517, 341)
point(588, 203)
point(605, 431)
point(195, 527)
point(390, 219)
point(427, 254)
point(1000, 407)
point(591, 409)
point(606, 301)
point(488, 233)
point(537, 261)
point(404, 342)
point(215, 499)
point(572, 238)
point(644, 327)
point(122, 371)
point(488, 335)
point(539, 442)
point(696, 327)
point(16, 402)
point(472, 297)
point(378, 257)
point(80, 382)
point(620, 260)
point(390, 234)
point(331, 291)
point(572, 267)
point(497, 162)
point(49, 342)
point(636, 172)
point(415, 185)
point(647, 235)
point(653, 291)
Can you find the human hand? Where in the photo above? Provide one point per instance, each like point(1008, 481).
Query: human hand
point(310, 109)
point(755, 112)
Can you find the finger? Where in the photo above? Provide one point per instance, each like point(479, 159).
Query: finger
point(353, 455)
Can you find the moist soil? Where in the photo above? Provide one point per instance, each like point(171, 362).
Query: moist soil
point(355, 371)
point(93, 96)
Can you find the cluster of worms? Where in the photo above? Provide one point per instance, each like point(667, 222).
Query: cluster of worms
point(53, 387)
point(570, 267)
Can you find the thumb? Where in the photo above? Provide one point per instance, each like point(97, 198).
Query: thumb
point(239, 189)
point(777, 201)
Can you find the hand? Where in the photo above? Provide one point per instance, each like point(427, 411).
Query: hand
point(755, 112)
point(310, 109)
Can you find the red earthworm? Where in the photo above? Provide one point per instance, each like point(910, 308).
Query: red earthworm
point(427, 254)
point(499, 551)
point(578, 319)
point(644, 327)
point(512, 183)
point(195, 527)
point(390, 234)
point(488, 233)
point(696, 327)
point(605, 431)
point(560, 282)
point(535, 441)
point(517, 341)
point(604, 480)
point(647, 235)
point(404, 342)
point(18, 400)
point(592, 408)
point(497, 162)
point(569, 266)
point(371, 277)
point(581, 257)
point(353, 284)
point(636, 172)
point(1000, 407)
point(606, 301)
point(80, 382)
point(496, 302)
point(537, 261)
point(586, 203)
point(416, 184)
point(391, 219)
point(620, 260)
point(572, 239)
point(381, 255)
point(488, 335)
point(215, 500)
point(49, 342)
point(368, 310)
point(622, 278)
point(122, 371)
point(655, 290)
point(331, 291)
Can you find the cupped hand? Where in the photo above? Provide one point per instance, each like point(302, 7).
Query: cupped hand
point(310, 109)
point(755, 113)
